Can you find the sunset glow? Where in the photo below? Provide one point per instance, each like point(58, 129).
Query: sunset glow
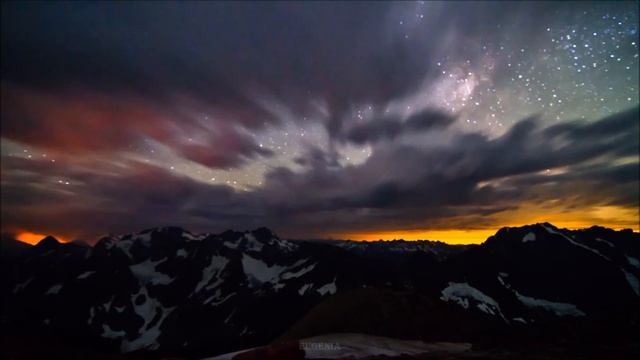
point(33, 238)
point(448, 236)
point(454, 236)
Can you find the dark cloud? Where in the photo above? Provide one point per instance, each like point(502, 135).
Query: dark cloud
point(622, 128)
point(217, 52)
point(402, 186)
point(388, 129)
point(214, 52)
point(221, 87)
point(146, 196)
point(99, 123)
point(473, 174)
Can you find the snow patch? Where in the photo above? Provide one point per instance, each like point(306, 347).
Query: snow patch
point(277, 286)
point(147, 337)
point(21, 286)
point(215, 284)
point(605, 242)
point(259, 270)
point(231, 244)
point(304, 288)
point(251, 243)
point(92, 313)
point(85, 274)
point(284, 244)
point(633, 281)
point(529, 237)
point(462, 293)
point(560, 309)
point(633, 261)
point(216, 297)
point(146, 272)
point(329, 288)
point(226, 321)
point(145, 239)
point(190, 237)
point(125, 246)
point(108, 243)
point(107, 305)
point(504, 283)
point(147, 309)
point(54, 290)
point(552, 231)
point(244, 331)
point(107, 333)
point(214, 268)
point(181, 253)
point(291, 275)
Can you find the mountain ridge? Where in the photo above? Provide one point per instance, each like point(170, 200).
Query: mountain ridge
point(326, 240)
point(168, 291)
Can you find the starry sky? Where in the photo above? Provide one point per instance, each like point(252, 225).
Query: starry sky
point(361, 120)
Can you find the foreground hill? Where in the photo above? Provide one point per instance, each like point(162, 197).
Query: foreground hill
point(166, 291)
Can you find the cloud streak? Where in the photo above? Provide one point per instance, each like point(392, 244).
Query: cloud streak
point(400, 187)
point(316, 119)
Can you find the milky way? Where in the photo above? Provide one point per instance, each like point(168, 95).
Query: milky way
point(318, 119)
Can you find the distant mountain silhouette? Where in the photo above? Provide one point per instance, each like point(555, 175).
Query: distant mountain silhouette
point(169, 292)
point(11, 247)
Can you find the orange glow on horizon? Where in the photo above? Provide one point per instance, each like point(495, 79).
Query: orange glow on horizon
point(33, 238)
point(614, 217)
point(473, 236)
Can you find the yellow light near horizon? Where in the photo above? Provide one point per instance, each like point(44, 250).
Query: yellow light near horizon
point(474, 236)
point(614, 213)
point(614, 217)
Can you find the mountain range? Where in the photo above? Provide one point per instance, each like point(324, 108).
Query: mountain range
point(166, 292)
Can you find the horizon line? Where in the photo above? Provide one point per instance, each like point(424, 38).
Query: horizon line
point(33, 238)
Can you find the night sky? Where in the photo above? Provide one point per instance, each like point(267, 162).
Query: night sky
point(344, 120)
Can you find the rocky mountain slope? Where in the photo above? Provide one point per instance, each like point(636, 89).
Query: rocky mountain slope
point(167, 291)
